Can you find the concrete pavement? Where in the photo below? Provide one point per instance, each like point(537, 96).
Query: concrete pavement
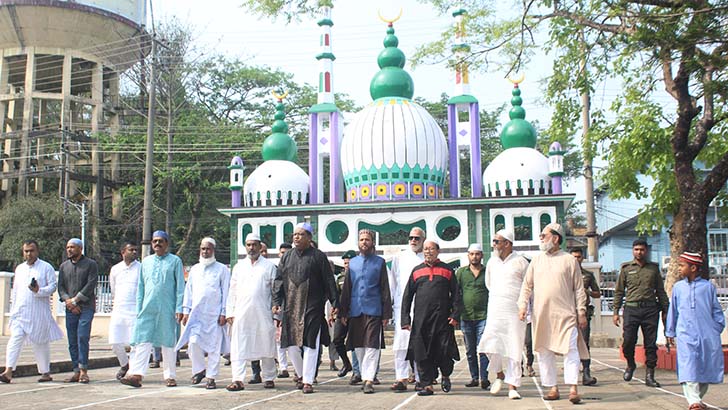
point(105, 392)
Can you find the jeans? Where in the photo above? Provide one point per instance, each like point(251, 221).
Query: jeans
point(78, 329)
point(472, 331)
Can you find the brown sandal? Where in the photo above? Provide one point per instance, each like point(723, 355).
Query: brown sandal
point(83, 379)
point(73, 379)
point(171, 382)
point(235, 386)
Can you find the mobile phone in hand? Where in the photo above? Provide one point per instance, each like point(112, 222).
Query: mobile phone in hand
point(33, 284)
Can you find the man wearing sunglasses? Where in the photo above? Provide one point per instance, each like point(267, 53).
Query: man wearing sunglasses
point(402, 266)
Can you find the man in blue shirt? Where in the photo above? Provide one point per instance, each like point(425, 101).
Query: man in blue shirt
point(366, 306)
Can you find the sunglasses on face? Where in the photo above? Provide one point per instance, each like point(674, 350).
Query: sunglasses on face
point(497, 241)
point(414, 238)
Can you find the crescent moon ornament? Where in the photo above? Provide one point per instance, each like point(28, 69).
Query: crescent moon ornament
point(279, 97)
point(518, 79)
point(389, 21)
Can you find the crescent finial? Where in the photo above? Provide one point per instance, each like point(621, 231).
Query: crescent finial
point(389, 21)
point(279, 97)
point(518, 79)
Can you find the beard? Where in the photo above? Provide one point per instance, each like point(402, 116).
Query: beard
point(496, 253)
point(546, 246)
point(205, 262)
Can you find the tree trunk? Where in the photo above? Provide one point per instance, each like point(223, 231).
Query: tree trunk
point(689, 233)
point(195, 212)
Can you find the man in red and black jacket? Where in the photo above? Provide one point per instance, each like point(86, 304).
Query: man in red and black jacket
point(432, 342)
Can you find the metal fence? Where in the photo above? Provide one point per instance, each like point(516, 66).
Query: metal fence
point(104, 302)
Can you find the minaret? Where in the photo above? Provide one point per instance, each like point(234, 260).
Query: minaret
point(325, 124)
point(236, 180)
point(556, 166)
point(463, 131)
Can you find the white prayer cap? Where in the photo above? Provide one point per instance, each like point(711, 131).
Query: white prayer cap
point(557, 228)
point(210, 241)
point(506, 234)
point(475, 247)
point(76, 242)
point(432, 241)
point(252, 237)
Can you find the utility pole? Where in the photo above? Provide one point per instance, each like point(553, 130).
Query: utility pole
point(591, 224)
point(148, 169)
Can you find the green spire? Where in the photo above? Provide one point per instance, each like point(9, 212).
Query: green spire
point(518, 132)
point(279, 145)
point(391, 80)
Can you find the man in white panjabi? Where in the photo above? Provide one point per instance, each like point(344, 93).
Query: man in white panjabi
point(250, 314)
point(504, 332)
point(559, 310)
point(30, 315)
point(124, 281)
point(203, 311)
point(402, 266)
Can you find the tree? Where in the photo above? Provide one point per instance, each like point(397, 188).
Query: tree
point(37, 217)
point(658, 50)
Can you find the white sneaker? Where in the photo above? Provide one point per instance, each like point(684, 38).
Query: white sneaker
point(496, 386)
point(514, 395)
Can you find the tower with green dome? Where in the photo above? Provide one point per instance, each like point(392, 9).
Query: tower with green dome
point(393, 149)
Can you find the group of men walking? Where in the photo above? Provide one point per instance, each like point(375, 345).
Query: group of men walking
point(261, 312)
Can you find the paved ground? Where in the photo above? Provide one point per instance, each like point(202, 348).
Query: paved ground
point(104, 392)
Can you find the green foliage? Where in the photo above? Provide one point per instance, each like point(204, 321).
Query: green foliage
point(40, 218)
point(288, 9)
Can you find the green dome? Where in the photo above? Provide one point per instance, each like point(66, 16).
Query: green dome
point(279, 145)
point(391, 80)
point(518, 132)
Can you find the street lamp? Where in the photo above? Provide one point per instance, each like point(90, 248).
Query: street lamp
point(82, 209)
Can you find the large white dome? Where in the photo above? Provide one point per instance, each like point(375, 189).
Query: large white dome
point(517, 171)
point(393, 149)
point(276, 182)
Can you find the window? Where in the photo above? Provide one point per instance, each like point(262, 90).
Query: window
point(718, 242)
point(522, 228)
point(499, 222)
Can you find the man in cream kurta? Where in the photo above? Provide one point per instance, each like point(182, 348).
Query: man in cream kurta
point(30, 315)
point(249, 312)
point(504, 333)
point(124, 280)
point(402, 267)
point(203, 310)
point(559, 309)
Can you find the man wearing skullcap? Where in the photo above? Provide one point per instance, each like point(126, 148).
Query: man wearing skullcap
point(504, 332)
point(695, 320)
point(203, 309)
point(304, 284)
point(640, 284)
point(249, 312)
point(77, 278)
point(159, 309)
point(432, 342)
point(559, 311)
point(474, 310)
point(366, 306)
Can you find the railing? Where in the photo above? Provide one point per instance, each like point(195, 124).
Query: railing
point(104, 302)
point(607, 300)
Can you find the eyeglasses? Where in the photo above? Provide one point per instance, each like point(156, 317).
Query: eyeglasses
point(497, 241)
point(414, 238)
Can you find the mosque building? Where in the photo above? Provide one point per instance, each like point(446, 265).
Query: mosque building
point(391, 168)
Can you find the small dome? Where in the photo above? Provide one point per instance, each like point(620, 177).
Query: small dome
point(518, 132)
point(279, 145)
point(392, 150)
point(517, 171)
point(391, 80)
point(276, 182)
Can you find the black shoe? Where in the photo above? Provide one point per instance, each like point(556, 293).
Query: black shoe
point(376, 382)
point(418, 386)
point(154, 364)
point(197, 378)
point(425, 392)
point(399, 387)
point(650, 378)
point(587, 379)
point(473, 383)
point(628, 372)
point(485, 384)
point(355, 379)
point(344, 371)
point(255, 380)
point(446, 385)
point(284, 374)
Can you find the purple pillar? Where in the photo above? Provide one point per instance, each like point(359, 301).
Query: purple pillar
point(236, 196)
point(336, 183)
point(452, 138)
point(476, 171)
point(556, 185)
point(313, 158)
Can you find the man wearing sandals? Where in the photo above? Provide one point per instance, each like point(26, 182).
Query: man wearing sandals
point(159, 309)
point(124, 282)
point(432, 342)
point(559, 310)
point(203, 310)
point(77, 278)
point(305, 283)
point(249, 306)
point(30, 316)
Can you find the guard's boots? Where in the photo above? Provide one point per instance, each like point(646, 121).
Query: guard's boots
point(629, 371)
point(650, 378)
point(346, 368)
point(587, 379)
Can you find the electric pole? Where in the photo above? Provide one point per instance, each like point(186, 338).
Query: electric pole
point(149, 169)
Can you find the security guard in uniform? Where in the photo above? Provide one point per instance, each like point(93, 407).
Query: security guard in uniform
point(591, 287)
point(341, 329)
point(640, 284)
